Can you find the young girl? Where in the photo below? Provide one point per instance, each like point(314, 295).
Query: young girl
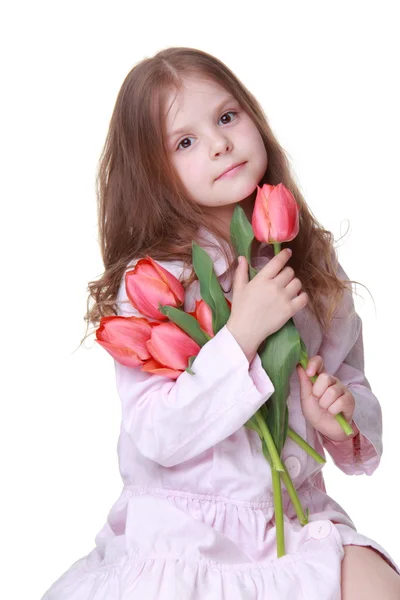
point(195, 519)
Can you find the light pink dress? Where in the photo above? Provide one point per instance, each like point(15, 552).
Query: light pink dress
point(195, 517)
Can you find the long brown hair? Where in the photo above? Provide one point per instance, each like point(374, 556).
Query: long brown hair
point(143, 208)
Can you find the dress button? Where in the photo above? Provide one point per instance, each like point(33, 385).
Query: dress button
point(293, 465)
point(319, 529)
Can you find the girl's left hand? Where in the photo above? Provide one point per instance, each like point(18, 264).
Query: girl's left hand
point(322, 400)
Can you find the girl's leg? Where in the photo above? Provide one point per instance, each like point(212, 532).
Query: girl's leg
point(368, 576)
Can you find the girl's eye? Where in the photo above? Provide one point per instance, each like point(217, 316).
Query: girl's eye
point(188, 138)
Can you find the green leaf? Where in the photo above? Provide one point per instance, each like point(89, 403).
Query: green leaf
point(279, 358)
point(303, 360)
point(252, 424)
point(265, 452)
point(190, 362)
point(242, 234)
point(210, 288)
point(186, 322)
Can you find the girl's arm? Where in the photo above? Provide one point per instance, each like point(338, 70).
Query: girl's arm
point(172, 421)
point(343, 353)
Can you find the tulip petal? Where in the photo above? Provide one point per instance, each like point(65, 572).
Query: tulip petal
point(146, 293)
point(152, 366)
point(276, 214)
point(149, 284)
point(284, 214)
point(125, 338)
point(125, 356)
point(260, 221)
point(171, 281)
point(171, 346)
point(204, 317)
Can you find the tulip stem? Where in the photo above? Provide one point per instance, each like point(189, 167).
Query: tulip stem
point(303, 517)
point(273, 452)
point(305, 446)
point(277, 491)
point(346, 427)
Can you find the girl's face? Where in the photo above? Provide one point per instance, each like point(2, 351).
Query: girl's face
point(214, 132)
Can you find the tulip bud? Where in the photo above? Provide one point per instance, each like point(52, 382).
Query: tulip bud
point(148, 284)
point(203, 314)
point(171, 348)
point(275, 216)
point(125, 339)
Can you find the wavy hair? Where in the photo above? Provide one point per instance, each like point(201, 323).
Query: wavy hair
point(143, 208)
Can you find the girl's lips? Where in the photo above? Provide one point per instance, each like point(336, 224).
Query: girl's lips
point(232, 172)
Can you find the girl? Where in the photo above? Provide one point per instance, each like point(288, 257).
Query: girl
point(195, 518)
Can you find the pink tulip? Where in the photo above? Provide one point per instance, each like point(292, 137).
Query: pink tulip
point(170, 348)
point(203, 314)
point(275, 216)
point(125, 339)
point(149, 284)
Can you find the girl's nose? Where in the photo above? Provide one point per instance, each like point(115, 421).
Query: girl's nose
point(221, 143)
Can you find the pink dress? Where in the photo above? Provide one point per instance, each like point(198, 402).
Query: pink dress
point(195, 517)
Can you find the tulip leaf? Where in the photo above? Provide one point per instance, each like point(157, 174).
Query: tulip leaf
point(190, 362)
point(210, 288)
point(265, 451)
point(252, 424)
point(303, 360)
point(186, 322)
point(279, 358)
point(242, 234)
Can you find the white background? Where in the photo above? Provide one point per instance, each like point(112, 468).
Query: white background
point(327, 77)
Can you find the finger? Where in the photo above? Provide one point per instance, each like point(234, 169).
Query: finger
point(323, 382)
point(315, 365)
point(285, 276)
point(343, 405)
point(293, 287)
point(276, 264)
point(305, 382)
point(330, 396)
point(241, 274)
point(299, 302)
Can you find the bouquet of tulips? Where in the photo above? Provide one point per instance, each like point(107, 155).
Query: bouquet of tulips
point(168, 344)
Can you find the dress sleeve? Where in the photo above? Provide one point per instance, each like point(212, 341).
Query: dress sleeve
point(171, 421)
point(343, 354)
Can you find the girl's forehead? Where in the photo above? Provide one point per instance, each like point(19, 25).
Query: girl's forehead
point(196, 86)
point(194, 94)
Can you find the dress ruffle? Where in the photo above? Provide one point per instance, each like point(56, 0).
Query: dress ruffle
point(183, 548)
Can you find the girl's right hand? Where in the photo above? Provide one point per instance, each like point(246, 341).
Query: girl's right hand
point(263, 305)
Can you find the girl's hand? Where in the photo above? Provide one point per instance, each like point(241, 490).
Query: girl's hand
point(263, 305)
point(322, 400)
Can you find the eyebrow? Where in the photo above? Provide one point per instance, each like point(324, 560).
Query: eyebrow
point(217, 109)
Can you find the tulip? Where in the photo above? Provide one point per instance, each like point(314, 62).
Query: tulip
point(275, 216)
point(203, 314)
point(125, 339)
point(170, 348)
point(148, 284)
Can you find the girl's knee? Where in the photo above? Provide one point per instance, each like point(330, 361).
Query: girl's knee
point(366, 575)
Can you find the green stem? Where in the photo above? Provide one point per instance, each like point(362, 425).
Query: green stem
point(280, 534)
point(303, 444)
point(276, 461)
point(346, 427)
point(339, 417)
point(277, 468)
point(303, 518)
